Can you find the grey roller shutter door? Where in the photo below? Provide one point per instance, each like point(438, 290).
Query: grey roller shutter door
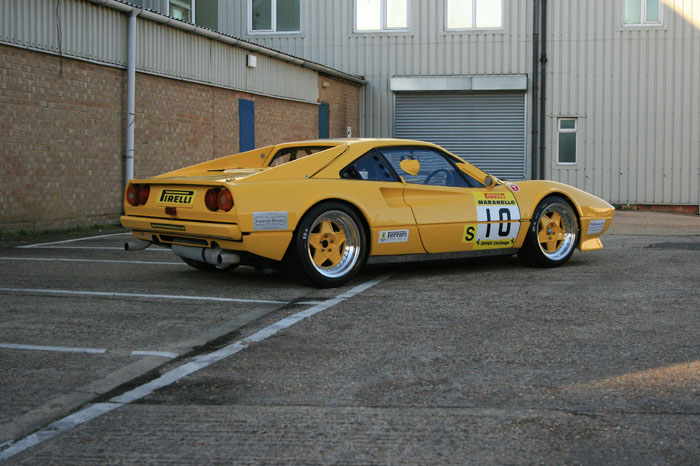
point(485, 129)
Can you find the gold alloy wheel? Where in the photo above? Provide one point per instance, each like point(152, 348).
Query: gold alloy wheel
point(334, 244)
point(557, 231)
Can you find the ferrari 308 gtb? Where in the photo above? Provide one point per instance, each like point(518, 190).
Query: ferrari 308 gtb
point(324, 208)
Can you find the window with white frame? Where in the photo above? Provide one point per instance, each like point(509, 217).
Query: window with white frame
point(182, 10)
point(473, 14)
point(566, 153)
point(274, 16)
point(642, 12)
point(381, 15)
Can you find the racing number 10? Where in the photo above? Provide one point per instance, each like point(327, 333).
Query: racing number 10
point(503, 227)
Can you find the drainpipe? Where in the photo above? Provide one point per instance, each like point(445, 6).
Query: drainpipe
point(535, 84)
point(543, 82)
point(130, 98)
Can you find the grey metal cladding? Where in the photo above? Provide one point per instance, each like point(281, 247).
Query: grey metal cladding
point(99, 34)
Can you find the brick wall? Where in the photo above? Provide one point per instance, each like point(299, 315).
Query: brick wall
point(343, 100)
point(62, 133)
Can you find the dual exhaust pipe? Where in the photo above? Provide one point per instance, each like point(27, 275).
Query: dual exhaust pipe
point(212, 256)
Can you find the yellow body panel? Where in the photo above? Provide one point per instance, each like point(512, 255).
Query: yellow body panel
point(400, 218)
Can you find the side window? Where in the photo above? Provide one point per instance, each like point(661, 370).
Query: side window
point(274, 16)
point(473, 14)
point(370, 167)
point(566, 153)
point(181, 9)
point(294, 153)
point(435, 169)
point(642, 12)
point(381, 15)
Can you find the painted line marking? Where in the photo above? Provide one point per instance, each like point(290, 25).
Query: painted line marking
point(92, 411)
point(65, 349)
point(97, 248)
point(161, 354)
point(72, 240)
point(139, 295)
point(61, 349)
point(49, 259)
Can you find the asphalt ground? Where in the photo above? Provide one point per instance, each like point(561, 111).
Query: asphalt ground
point(118, 357)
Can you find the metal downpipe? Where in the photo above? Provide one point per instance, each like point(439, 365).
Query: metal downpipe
point(543, 84)
point(130, 98)
point(535, 87)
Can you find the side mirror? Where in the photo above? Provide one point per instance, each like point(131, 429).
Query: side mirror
point(482, 177)
point(410, 166)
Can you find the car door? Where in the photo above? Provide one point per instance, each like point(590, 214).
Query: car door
point(453, 211)
point(393, 229)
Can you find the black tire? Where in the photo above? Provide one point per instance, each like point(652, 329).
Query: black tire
point(329, 245)
point(207, 267)
point(553, 234)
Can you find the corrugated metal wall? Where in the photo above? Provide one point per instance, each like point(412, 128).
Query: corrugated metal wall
point(425, 50)
point(636, 94)
point(87, 32)
point(98, 34)
point(633, 90)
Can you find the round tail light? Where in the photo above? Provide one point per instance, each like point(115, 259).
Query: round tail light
point(144, 191)
point(225, 200)
point(211, 199)
point(132, 195)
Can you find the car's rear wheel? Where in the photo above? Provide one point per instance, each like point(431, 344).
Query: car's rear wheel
point(207, 267)
point(329, 245)
point(553, 234)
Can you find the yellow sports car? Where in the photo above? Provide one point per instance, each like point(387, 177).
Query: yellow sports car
point(325, 208)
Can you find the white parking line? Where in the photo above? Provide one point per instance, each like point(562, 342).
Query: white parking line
point(60, 349)
point(96, 248)
point(111, 294)
point(160, 354)
point(65, 349)
point(72, 240)
point(92, 411)
point(56, 259)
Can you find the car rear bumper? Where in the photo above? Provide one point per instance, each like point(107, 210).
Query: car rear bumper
point(268, 244)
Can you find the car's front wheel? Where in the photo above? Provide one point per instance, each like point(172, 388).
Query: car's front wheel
point(329, 245)
point(553, 234)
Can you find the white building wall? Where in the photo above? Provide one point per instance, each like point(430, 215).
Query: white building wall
point(633, 89)
point(636, 95)
point(426, 49)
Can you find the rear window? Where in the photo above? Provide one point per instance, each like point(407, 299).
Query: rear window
point(289, 154)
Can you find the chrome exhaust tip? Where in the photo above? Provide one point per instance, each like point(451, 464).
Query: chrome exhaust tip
point(136, 245)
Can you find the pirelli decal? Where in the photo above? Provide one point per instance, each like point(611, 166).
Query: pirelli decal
point(503, 198)
point(167, 226)
point(176, 197)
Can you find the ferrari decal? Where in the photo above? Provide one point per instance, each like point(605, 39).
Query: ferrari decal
point(393, 236)
point(178, 197)
point(270, 220)
point(167, 226)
